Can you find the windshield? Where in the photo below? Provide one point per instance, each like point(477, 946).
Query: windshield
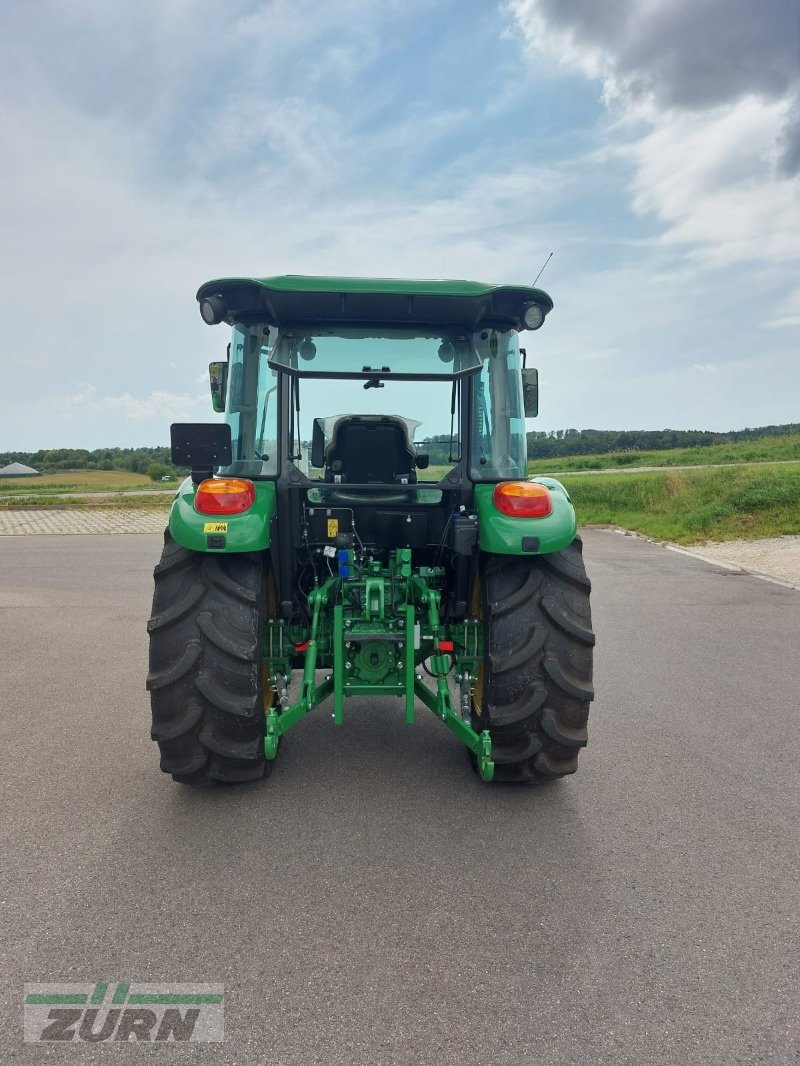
point(370, 351)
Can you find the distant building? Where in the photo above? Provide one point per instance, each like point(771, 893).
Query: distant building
point(18, 470)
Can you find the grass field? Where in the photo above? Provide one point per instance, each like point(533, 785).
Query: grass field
point(774, 449)
point(692, 506)
point(77, 481)
point(128, 501)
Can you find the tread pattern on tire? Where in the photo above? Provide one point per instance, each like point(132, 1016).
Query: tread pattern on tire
point(537, 674)
point(205, 678)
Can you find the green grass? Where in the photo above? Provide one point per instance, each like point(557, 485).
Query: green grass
point(434, 473)
point(692, 506)
point(128, 501)
point(766, 449)
point(78, 481)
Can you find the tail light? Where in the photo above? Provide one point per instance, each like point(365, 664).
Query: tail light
point(224, 495)
point(523, 499)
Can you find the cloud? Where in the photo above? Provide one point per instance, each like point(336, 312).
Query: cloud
point(789, 141)
point(157, 406)
point(679, 53)
point(787, 313)
point(706, 176)
point(715, 88)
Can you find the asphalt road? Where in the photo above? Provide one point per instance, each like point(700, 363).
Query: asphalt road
point(372, 901)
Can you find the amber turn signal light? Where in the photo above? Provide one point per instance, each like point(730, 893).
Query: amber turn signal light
point(224, 495)
point(523, 499)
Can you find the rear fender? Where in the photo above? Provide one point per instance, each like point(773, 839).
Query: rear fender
point(502, 534)
point(245, 532)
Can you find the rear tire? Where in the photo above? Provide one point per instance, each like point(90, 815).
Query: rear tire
point(536, 685)
point(205, 679)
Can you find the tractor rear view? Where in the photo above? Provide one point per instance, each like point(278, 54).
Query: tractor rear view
point(319, 552)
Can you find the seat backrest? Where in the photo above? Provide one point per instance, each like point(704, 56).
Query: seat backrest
point(371, 448)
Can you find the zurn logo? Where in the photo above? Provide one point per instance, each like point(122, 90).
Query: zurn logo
point(100, 1011)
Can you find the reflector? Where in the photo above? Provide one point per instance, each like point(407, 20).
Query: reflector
point(224, 495)
point(523, 499)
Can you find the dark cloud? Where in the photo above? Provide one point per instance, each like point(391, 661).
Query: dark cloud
point(690, 53)
point(693, 54)
point(789, 162)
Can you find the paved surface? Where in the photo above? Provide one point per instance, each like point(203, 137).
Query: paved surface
point(372, 901)
point(108, 520)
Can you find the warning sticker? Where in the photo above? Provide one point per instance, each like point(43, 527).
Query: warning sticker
point(215, 527)
point(333, 527)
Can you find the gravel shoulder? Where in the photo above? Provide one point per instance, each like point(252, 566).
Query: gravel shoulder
point(774, 557)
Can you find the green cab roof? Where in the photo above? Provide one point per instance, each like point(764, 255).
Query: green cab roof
point(295, 298)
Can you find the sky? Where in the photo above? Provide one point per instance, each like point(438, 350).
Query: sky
point(150, 145)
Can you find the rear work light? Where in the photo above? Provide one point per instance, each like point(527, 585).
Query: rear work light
point(523, 499)
point(224, 495)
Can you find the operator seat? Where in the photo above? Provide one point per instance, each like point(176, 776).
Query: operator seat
point(370, 449)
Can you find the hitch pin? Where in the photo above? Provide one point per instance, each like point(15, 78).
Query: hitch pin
point(283, 695)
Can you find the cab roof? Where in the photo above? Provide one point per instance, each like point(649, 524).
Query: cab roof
point(294, 298)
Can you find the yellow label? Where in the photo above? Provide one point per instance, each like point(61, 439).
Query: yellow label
point(215, 527)
point(333, 527)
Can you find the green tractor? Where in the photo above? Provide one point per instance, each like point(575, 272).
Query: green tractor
point(315, 554)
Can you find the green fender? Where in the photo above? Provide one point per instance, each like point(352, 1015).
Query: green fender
point(501, 534)
point(245, 532)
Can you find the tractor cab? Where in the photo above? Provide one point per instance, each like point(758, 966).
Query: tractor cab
point(431, 376)
point(443, 354)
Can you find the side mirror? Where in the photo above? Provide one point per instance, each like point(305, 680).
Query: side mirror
point(530, 392)
point(218, 378)
point(422, 460)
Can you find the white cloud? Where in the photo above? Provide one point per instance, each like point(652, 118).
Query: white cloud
point(784, 321)
point(706, 176)
point(787, 313)
point(157, 406)
point(705, 97)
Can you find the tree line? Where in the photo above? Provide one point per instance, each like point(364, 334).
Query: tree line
point(544, 444)
point(563, 442)
point(53, 460)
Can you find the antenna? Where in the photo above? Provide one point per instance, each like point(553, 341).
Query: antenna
point(542, 270)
